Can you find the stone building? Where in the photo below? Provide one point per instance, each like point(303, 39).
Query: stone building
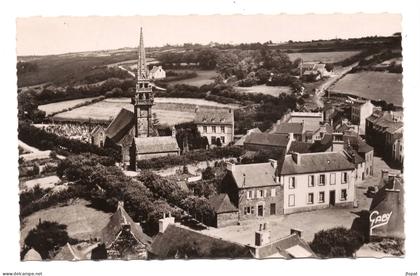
point(225, 212)
point(268, 142)
point(360, 110)
point(98, 136)
point(123, 238)
point(217, 125)
point(157, 73)
point(133, 131)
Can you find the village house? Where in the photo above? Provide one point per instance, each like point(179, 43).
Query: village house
point(360, 110)
point(398, 148)
point(316, 180)
point(225, 212)
point(268, 142)
point(306, 126)
point(296, 129)
point(216, 125)
point(157, 73)
point(382, 128)
point(241, 140)
point(98, 136)
point(289, 247)
point(123, 238)
point(312, 71)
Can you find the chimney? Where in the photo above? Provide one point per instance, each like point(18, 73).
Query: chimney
point(295, 231)
point(296, 157)
point(262, 235)
point(230, 166)
point(385, 175)
point(165, 222)
point(273, 162)
point(391, 182)
point(291, 137)
point(277, 179)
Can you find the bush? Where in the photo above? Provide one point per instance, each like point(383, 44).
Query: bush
point(336, 242)
point(47, 237)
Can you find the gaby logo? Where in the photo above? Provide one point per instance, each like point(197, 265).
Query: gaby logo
point(377, 220)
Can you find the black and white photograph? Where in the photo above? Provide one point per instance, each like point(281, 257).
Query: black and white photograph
point(210, 137)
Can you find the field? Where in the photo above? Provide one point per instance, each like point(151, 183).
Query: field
point(371, 85)
point(83, 222)
point(169, 111)
point(264, 89)
point(44, 182)
point(60, 106)
point(204, 77)
point(325, 57)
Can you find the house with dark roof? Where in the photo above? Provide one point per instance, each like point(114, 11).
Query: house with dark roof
point(152, 147)
point(217, 125)
point(296, 129)
point(316, 180)
point(123, 238)
point(175, 241)
point(242, 139)
point(225, 212)
point(268, 142)
point(288, 247)
point(254, 189)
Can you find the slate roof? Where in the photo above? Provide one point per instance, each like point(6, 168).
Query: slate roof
point(32, 255)
point(241, 141)
point(176, 238)
point(121, 125)
point(300, 147)
point(220, 116)
point(222, 204)
point(316, 162)
point(70, 253)
point(385, 120)
point(254, 175)
point(160, 144)
point(115, 225)
point(291, 246)
point(96, 129)
point(267, 139)
point(285, 128)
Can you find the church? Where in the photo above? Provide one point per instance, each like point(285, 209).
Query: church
point(133, 130)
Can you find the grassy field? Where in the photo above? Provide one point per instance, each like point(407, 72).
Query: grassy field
point(60, 106)
point(325, 57)
point(371, 85)
point(204, 77)
point(44, 182)
point(169, 111)
point(83, 222)
point(264, 89)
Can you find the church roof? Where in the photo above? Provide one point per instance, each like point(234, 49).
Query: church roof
point(115, 225)
point(158, 144)
point(120, 126)
point(32, 255)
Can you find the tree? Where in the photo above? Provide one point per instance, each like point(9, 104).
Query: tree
point(207, 58)
point(47, 237)
point(336, 242)
point(208, 174)
point(226, 64)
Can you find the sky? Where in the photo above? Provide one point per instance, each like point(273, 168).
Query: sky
point(57, 35)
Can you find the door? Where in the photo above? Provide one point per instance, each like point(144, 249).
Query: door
point(272, 209)
point(332, 198)
point(260, 210)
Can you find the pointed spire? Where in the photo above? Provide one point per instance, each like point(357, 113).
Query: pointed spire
point(142, 72)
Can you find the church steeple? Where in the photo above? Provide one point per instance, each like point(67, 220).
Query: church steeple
point(143, 99)
point(142, 71)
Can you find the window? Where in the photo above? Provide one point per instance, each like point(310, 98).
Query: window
point(205, 129)
point(213, 129)
point(344, 177)
point(222, 129)
point(272, 208)
point(291, 200)
point(249, 195)
point(343, 194)
point(247, 210)
point(311, 181)
point(322, 179)
point(213, 140)
point(332, 179)
point(311, 198)
point(222, 139)
point(260, 210)
point(292, 183)
point(321, 197)
point(252, 210)
point(260, 193)
point(273, 192)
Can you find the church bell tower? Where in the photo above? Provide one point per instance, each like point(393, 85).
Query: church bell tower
point(143, 99)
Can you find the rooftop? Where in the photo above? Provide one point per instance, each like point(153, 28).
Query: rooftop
point(222, 204)
point(254, 175)
point(221, 116)
point(316, 162)
point(268, 139)
point(121, 124)
point(285, 128)
point(158, 144)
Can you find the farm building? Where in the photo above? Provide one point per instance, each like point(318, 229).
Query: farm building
point(268, 142)
point(98, 136)
point(157, 73)
point(226, 212)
